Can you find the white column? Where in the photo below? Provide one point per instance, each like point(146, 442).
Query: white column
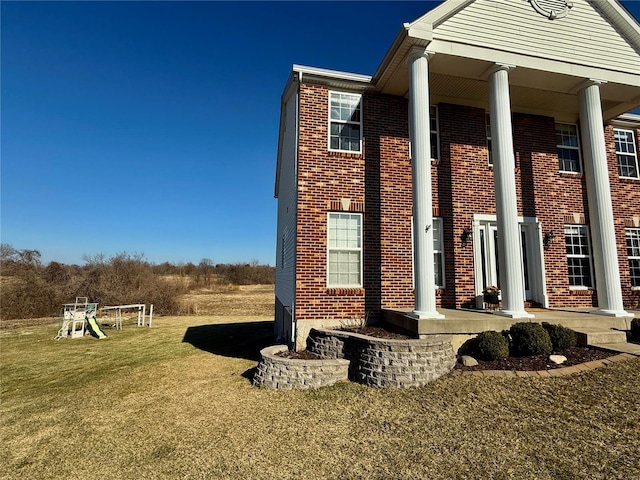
point(603, 234)
point(420, 137)
point(509, 249)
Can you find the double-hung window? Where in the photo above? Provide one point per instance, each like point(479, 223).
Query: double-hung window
point(438, 254)
point(578, 256)
point(568, 146)
point(433, 129)
point(487, 124)
point(633, 253)
point(345, 122)
point(626, 153)
point(344, 247)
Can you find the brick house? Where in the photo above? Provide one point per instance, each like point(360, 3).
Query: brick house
point(490, 147)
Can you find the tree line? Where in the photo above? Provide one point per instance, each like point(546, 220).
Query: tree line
point(31, 289)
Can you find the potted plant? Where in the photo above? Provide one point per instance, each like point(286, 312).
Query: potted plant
point(491, 295)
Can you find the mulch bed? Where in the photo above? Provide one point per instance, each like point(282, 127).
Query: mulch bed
point(575, 356)
point(377, 332)
point(301, 355)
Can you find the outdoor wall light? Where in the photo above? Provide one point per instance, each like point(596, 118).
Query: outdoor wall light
point(466, 235)
point(548, 239)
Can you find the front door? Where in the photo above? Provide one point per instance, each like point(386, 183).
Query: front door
point(487, 254)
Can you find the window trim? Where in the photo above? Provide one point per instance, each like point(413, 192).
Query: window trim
point(441, 252)
point(360, 250)
point(573, 255)
point(442, 272)
point(565, 147)
point(627, 235)
point(433, 110)
point(344, 122)
point(634, 142)
point(489, 144)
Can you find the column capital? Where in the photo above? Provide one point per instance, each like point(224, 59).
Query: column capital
point(418, 52)
point(497, 67)
point(589, 82)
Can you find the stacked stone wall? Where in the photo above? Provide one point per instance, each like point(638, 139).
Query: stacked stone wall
point(378, 362)
point(279, 373)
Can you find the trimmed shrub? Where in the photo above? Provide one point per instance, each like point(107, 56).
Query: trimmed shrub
point(635, 328)
point(562, 337)
point(529, 339)
point(490, 345)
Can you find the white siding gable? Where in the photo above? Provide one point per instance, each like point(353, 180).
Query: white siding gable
point(584, 37)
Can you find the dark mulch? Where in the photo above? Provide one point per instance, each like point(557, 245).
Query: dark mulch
point(574, 356)
point(301, 355)
point(378, 332)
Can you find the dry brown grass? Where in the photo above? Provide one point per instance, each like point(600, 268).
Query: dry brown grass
point(255, 300)
point(175, 401)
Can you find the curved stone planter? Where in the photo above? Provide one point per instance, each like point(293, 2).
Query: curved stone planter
point(278, 373)
point(379, 362)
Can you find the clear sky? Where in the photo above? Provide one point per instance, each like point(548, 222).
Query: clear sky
point(152, 127)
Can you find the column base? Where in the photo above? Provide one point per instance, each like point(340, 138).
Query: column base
point(425, 315)
point(514, 313)
point(612, 313)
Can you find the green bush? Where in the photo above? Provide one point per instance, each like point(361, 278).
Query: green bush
point(490, 345)
point(529, 339)
point(562, 337)
point(635, 328)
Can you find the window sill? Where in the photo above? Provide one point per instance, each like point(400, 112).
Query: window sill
point(571, 174)
point(344, 153)
point(347, 291)
point(581, 291)
point(629, 179)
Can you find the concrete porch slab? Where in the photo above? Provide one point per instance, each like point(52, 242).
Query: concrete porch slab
point(475, 321)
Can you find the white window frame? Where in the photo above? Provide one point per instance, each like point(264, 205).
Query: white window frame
point(434, 121)
point(584, 233)
point(331, 121)
point(440, 251)
point(633, 155)
point(331, 249)
point(487, 128)
point(632, 238)
point(569, 147)
point(435, 252)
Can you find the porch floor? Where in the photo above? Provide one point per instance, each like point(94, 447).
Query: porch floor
point(475, 321)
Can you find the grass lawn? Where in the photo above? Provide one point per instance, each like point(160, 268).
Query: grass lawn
point(175, 401)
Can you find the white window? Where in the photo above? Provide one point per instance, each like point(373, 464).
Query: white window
point(568, 147)
point(345, 124)
point(578, 256)
point(487, 122)
point(344, 256)
point(438, 253)
point(633, 253)
point(434, 139)
point(626, 153)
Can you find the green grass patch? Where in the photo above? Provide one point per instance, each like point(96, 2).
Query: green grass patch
point(175, 401)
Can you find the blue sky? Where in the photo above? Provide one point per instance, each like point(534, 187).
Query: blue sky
point(151, 127)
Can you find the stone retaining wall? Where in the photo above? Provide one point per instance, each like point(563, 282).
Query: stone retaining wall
point(280, 373)
point(381, 362)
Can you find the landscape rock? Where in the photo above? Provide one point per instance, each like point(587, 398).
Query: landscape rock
point(558, 359)
point(469, 361)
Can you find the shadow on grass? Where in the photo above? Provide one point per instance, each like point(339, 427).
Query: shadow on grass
point(237, 340)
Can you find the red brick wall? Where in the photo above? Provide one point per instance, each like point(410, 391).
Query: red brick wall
point(625, 196)
point(323, 177)
point(378, 183)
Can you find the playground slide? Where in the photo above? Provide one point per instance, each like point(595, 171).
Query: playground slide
point(94, 328)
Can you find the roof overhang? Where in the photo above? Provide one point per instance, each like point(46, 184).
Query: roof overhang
point(539, 85)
